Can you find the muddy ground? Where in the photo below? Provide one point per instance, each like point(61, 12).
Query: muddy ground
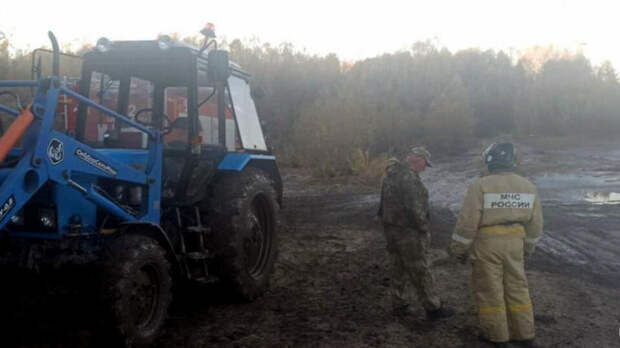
point(330, 287)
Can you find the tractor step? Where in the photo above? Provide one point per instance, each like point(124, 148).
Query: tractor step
point(206, 280)
point(196, 255)
point(197, 229)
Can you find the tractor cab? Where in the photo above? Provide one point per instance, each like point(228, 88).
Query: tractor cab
point(198, 100)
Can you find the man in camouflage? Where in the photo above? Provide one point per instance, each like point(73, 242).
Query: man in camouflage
point(405, 214)
point(498, 226)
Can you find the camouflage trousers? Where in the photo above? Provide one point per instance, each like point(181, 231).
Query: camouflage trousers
point(410, 267)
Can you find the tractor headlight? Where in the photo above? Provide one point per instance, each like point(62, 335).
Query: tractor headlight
point(18, 219)
point(103, 45)
point(47, 218)
point(163, 45)
point(119, 193)
point(164, 42)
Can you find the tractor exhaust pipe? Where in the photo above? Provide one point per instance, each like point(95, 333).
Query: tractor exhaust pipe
point(55, 54)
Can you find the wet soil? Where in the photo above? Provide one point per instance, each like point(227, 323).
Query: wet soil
point(330, 286)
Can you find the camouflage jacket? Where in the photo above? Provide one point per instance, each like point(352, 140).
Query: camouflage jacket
point(404, 199)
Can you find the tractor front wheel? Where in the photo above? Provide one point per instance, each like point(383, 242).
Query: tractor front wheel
point(137, 288)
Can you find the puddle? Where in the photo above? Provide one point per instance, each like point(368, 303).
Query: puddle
point(597, 188)
point(573, 181)
point(590, 215)
point(603, 198)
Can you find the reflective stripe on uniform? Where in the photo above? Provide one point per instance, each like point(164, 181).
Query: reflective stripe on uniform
point(460, 239)
point(503, 229)
point(491, 310)
point(520, 307)
point(532, 240)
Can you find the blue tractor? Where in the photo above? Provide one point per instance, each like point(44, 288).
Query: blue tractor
point(149, 199)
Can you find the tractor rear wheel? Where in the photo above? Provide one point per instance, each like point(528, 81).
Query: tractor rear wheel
point(137, 288)
point(244, 221)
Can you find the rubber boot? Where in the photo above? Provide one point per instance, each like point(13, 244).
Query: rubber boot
point(493, 344)
point(441, 313)
point(402, 311)
point(530, 343)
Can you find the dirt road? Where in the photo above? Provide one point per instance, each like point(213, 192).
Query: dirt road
point(331, 280)
point(330, 288)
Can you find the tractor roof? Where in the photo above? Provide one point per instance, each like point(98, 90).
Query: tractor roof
point(150, 59)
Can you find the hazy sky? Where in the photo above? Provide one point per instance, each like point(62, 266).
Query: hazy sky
point(351, 29)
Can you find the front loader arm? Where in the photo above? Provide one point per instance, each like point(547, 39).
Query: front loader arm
point(50, 156)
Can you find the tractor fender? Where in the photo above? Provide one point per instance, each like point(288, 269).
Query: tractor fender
point(237, 162)
point(271, 168)
point(156, 232)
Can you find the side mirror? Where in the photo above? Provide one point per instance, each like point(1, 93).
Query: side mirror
point(218, 68)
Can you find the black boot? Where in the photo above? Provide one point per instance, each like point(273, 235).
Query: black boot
point(402, 311)
point(529, 343)
point(441, 313)
point(492, 343)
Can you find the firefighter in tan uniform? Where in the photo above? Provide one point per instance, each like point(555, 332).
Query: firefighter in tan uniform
point(499, 225)
point(405, 215)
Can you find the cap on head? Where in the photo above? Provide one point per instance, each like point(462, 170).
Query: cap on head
point(500, 156)
point(420, 151)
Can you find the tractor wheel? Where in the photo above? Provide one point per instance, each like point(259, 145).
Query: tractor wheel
point(137, 288)
point(244, 220)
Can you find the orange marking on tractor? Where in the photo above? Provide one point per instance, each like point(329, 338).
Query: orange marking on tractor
point(15, 131)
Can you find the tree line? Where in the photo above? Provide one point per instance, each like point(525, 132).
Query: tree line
point(338, 117)
point(334, 116)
